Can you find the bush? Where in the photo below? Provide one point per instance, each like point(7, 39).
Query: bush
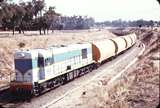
point(21, 45)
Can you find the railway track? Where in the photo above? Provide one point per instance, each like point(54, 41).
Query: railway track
point(7, 100)
point(4, 88)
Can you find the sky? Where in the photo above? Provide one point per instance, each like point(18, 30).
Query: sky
point(102, 10)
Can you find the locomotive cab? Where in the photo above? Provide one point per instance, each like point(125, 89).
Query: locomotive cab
point(25, 71)
point(31, 67)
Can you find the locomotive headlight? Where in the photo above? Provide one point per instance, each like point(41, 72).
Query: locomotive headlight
point(22, 55)
point(29, 74)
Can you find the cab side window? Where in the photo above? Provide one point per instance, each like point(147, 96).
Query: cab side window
point(84, 53)
point(48, 61)
point(40, 61)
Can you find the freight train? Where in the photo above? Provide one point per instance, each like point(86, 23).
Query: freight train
point(38, 70)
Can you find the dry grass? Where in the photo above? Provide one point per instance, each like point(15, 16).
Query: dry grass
point(135, 89)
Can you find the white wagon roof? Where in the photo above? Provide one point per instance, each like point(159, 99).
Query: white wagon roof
point(67, 48)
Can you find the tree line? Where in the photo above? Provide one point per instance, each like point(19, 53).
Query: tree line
point(76, 22)
point(34, 16)
point(121, 23)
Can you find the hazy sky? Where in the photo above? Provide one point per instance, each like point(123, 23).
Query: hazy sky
point(108, 9)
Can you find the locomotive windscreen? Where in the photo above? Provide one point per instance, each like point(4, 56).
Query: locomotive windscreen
point(23, 65)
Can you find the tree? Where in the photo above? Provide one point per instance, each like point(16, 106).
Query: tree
point(12, 16)
point(51, 16)
point(38, 7)
point(28, 17)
